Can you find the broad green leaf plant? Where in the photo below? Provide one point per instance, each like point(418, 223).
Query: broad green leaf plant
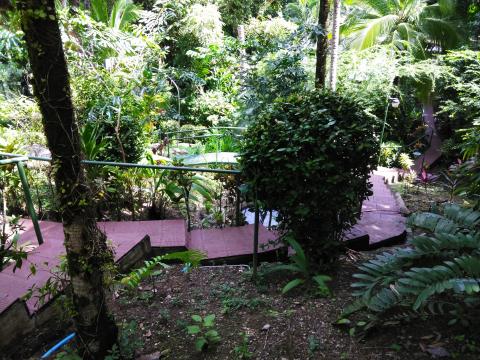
point(203, 329)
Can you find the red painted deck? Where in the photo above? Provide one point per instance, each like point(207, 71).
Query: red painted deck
point(228, 242)
point(381, 222)
point(381, 217)
point(123, 236)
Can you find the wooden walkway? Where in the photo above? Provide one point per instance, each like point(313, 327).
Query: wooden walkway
point(382, 217)
point(124, 237)
point(381, 224)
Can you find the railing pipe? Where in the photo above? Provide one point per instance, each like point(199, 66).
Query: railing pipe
point(255, 238)
point(128, 165)
point(26, 189)
point(199, 130)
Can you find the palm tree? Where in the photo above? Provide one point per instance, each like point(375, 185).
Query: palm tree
point(335, 44)
point(322, 44)
point(418, 26)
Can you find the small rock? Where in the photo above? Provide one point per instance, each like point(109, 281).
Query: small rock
point(266, 327)
point(154, 356)
point(438, 352)
point(164, 353)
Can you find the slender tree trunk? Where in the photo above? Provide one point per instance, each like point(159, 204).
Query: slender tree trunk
point(322, 44)
point(335, 41)
point(86, 248)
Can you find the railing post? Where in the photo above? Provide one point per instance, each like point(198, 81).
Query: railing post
point(255, 238)
point(237, 203)
point(28, 199)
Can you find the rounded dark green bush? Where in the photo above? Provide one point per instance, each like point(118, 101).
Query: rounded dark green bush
point(309, 157)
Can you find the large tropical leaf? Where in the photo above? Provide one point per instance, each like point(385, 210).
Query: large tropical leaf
point(373, 31)
point(378, 7)
point(411, 25)
point(99, 10)
point(123, 13)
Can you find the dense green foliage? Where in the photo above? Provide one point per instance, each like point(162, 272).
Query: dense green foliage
point(309, 157)
point(170, 82)
point(459, 94)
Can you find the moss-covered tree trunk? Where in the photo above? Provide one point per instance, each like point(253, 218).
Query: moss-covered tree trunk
point(322, 44)
point(86, 248)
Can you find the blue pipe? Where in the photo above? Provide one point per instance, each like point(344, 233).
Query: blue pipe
point(58, 345)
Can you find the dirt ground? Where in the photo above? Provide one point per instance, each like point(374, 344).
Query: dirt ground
point(268, 324)
point(255, 321)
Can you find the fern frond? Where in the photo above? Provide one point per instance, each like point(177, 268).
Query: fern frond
point(445, 261)
point(132, 280)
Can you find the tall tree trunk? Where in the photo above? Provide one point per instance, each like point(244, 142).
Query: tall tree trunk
point(87, 253)
point(322, 44)
point(335, 41)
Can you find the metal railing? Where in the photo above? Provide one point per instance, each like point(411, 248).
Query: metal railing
point(189, 134)
point(20, 159)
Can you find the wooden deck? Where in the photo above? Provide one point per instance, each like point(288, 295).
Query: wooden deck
point(381, 224)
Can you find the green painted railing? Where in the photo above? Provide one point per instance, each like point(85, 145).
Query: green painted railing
point(19, 159)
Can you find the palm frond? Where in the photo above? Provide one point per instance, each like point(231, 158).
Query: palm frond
point(373, 31)
point(99, 10)
point(378, 7)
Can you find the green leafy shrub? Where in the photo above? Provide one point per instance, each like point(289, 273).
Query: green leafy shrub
point(438, 274)
point(236, 12)
point(202, 24)
point(266, 35)
point(469, 178)
point(458, 93)
point(309, 157)
point(371, 76)
point(204, 331)
point(129, 342)
point(217, 65)
point(10, 249)
point(278, 74)
point(389, 153)
point(300, 266)
point(405, 161)
point(13, 61)
point(20, 118)
point(123, 106)
point(210, 108)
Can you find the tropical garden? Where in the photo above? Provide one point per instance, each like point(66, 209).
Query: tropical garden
point(279, 120)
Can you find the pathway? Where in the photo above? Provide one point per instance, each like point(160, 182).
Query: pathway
point(382, 217)
point(381, 224)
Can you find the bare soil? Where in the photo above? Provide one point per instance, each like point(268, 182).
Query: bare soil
point(299, 325)
point(269, 325)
